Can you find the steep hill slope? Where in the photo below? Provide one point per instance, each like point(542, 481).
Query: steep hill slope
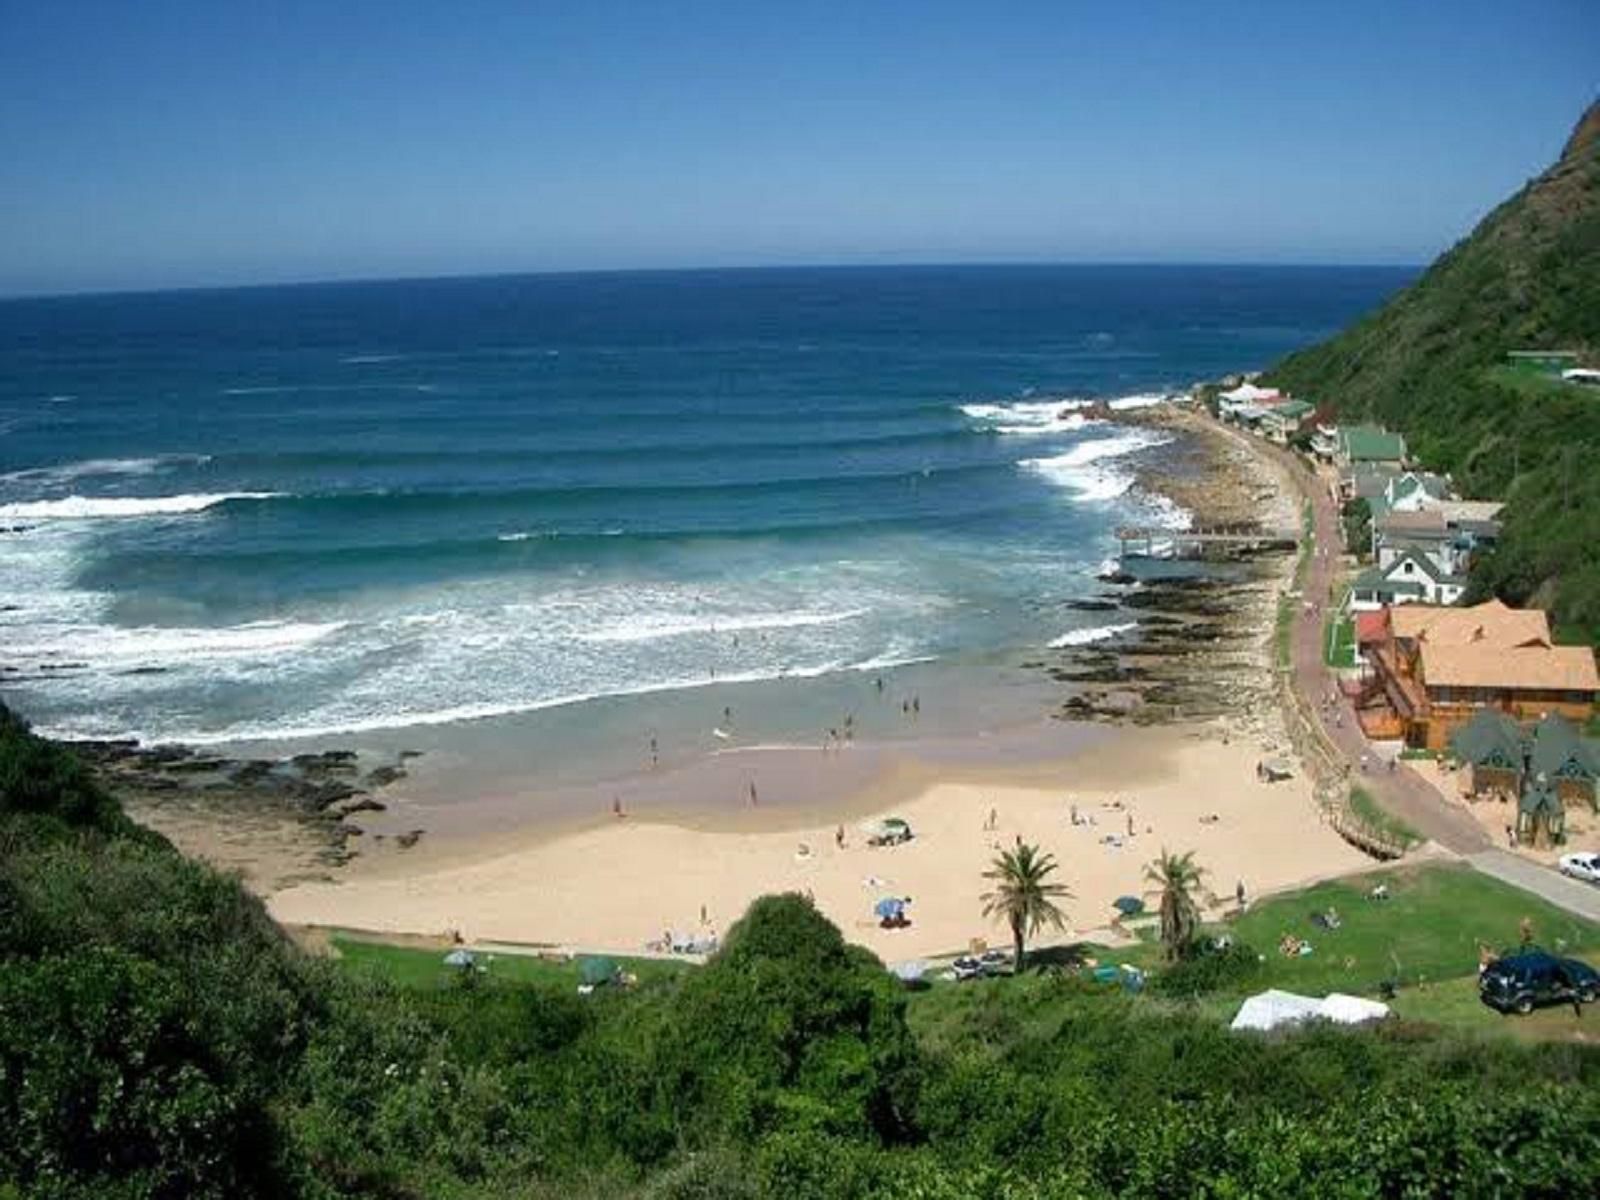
point(1427, 363)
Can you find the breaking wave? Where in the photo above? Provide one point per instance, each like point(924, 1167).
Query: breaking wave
point(82, 508)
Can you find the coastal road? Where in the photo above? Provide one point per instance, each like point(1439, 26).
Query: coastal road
point(1400, 790)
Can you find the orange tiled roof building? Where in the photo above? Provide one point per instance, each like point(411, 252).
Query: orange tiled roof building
point(1430, 669)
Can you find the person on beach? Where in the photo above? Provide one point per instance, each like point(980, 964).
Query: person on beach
point(878, 683)
point(916, 706)
point(1074, 814)
point(1238, 892)
point(616, 807)
point(993, 822)
point(753, 800)
point(655, 752)
point(838, 837)
point(1130, 824)
point(727, 714)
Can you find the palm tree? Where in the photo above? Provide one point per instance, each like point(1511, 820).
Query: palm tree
point(1021, 894)
point(1178, 877)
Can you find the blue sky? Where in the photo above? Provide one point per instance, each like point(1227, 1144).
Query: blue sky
point(161, 143)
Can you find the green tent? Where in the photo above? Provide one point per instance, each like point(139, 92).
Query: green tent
point(597, 971)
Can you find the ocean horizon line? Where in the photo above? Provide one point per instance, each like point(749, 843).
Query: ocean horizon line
point(362, 280)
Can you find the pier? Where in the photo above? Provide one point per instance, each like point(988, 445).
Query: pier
point(1139, 541)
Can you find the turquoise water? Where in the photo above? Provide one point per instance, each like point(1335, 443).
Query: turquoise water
point(341, 509)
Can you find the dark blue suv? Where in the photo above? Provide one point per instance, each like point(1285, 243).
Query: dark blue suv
point(1520, 982)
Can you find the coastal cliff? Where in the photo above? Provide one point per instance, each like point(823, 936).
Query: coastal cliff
point(1430, 363)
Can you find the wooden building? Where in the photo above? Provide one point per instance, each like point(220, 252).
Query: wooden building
point(1429, 670)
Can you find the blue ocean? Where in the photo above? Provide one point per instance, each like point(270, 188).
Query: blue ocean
point(327, 510)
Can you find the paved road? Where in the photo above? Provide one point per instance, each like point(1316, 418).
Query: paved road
point(1398, 790)
point(1570, 894)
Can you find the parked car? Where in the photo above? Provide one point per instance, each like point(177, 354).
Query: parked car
point(1581, 866)
point(995, 962)
point(1521, 982)
point(967, 967)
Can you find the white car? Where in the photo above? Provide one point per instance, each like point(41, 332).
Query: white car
point(1581, 866)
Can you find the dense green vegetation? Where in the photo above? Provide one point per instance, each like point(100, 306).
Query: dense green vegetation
point(1431, 364)
point(159, 1037)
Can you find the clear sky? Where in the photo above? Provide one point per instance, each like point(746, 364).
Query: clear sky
point(154, 143)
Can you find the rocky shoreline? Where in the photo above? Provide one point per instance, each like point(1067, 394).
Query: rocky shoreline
point(1198, 645)
point(290, 818)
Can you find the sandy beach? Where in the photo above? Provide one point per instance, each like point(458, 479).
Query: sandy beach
point(621, 885)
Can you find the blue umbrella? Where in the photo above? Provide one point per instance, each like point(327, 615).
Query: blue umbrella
point(1128, 906)
point(890, 906)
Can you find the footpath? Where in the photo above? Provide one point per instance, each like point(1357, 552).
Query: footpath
point(1399, 790)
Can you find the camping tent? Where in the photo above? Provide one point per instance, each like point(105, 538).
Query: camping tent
point(1351, 1010)
point(1274, 1009)
point(594, 971)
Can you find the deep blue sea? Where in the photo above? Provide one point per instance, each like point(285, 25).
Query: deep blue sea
point(326, 509)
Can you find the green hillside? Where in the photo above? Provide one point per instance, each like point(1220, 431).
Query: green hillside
point(160, 1037)
point(1430, 363)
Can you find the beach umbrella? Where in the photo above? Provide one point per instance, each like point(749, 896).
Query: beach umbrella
point(594, 971)
point(889, 907)
point(1128, 906)
point(459, 958)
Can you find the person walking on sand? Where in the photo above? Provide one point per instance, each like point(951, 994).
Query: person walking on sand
point(754, 802)
point(1238, 893)
point(655, 752)
point(1130, 824)
point(616, 807)
point(838, 837)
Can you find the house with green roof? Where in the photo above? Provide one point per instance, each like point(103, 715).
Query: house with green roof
point(1541, 817)
point(1281, 422)
point(1369, 444)
point(1560, 754)
point(1492, 748)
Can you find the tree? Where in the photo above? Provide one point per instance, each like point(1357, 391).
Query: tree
point(1022, 895)
point(1177, 876)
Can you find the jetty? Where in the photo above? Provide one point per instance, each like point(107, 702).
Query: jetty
point(1158, 541)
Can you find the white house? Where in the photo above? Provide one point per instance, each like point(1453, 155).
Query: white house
point(1409, 577)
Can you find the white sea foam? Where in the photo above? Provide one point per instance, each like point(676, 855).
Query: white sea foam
point(359, 359)
point(456, 714)
point(1095, 633)
point(81, 508)
point(62, 473)
point(1086, 467)
point(1031, 417)
point(648, 628)
point(1142, 400)
point(116, 646)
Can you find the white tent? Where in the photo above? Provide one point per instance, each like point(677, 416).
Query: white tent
point(1271, 1009)
point(1351, 1010)
point(1274, 1009)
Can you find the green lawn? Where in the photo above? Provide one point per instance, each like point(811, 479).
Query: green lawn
point(1339, 641)
point(1368, 809)
point(418, 968)
point(1428, 931)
